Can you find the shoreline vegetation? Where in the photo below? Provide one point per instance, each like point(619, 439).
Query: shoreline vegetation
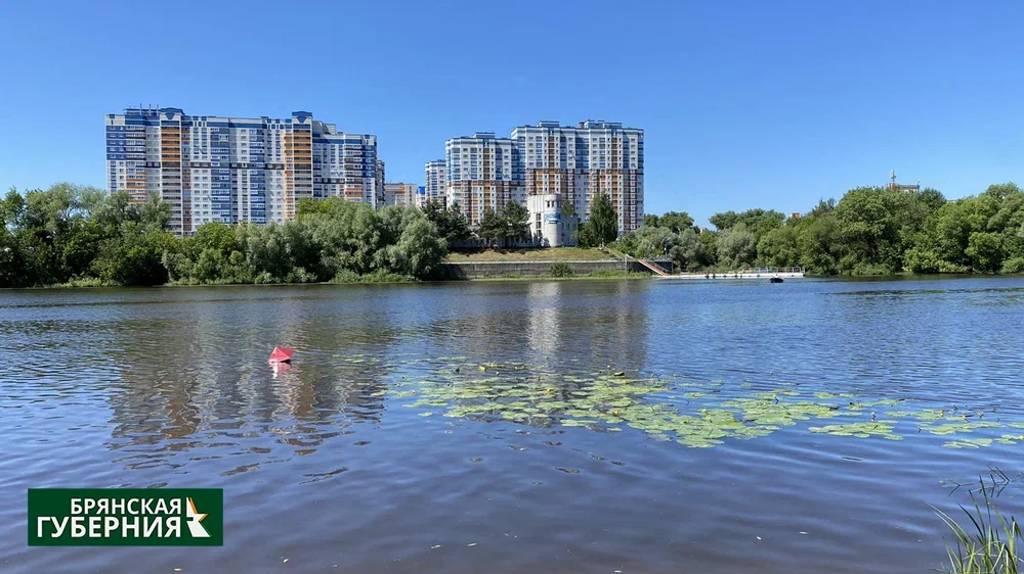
point(74, 236)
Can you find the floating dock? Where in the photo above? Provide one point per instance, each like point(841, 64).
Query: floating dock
point(761, 275)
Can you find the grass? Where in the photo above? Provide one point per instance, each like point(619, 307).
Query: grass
point(548, 254)
point(986, 542)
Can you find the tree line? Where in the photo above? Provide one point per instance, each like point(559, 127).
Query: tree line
point(82, 235)
point(869, 231)
point(86, 236)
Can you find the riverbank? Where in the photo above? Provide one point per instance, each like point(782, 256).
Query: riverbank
point(539, 269)
point(385, 279)
point(389, 279)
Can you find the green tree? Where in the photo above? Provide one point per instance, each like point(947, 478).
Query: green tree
point(492, 228)
point(134, 256)
point(878, 225)
point(737, 247)
point(419, 250)
point(818, 243)
point(451, 223)
point(779, 248)
point(709, 242)
point(602, 227)
point(676, 221)
point(757, 221)
point(985, 251)
point(517, 221)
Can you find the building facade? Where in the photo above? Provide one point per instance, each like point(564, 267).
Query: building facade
point(480, 174)
point(436, 187)
point(579, 163)
point(236, 170)
point(549, 224)
point(401, 194)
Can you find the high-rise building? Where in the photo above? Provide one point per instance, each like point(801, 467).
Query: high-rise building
point(436, 181)
point(480, 174)
point(579, 163)
point(236, 170)
point(401, 194)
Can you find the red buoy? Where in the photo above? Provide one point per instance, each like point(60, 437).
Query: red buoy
point(281, 355)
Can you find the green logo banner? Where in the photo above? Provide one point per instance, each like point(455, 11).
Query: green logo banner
point(125, 517)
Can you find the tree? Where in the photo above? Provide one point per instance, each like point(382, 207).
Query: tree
point(134, 256)
point(779, 248)
point(737, 247)
point(691, 253)
point(419, 250)
point(602, 227)
point(676, 221)
point(818, 243)
point(517, 221)
point(878, 225)
point(685, 248)
point(492, 227)
point(650, 241)
point(758, 221)
point(709, 246)
point(985, 251)
point(451, 223)
point(329, 239)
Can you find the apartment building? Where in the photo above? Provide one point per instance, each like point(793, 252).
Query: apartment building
point(237, 170)
point(579, 163)
point(480, 174)
point(401, 194)
point(436, 181)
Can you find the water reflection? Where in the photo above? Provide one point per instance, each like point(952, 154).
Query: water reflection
point(569, 426)
point(198, 379)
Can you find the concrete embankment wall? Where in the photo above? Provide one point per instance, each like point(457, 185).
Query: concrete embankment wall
point(484, 269)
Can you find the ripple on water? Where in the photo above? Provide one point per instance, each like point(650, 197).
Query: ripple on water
point(750, 430)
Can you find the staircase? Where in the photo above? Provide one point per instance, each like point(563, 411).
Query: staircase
point(657, 269)
point(654, 267)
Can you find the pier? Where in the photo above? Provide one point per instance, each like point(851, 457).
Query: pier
point(760, 274)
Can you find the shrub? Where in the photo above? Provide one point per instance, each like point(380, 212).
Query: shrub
point(1014, 265)
point(561, 269)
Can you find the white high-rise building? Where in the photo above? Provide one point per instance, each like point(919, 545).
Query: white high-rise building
point(236, 170)
point(480, 174)
point(436, 181)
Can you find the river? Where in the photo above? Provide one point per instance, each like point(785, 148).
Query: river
point(579, 426)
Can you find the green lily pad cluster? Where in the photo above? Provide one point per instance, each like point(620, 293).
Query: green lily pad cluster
point(883, 429)
point(699, 417)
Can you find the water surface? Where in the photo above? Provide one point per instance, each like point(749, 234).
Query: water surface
point(591, 426)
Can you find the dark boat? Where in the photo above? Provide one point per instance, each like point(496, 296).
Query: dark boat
point(775, 280)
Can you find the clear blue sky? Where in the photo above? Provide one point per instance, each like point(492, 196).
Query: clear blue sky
point(756, 103)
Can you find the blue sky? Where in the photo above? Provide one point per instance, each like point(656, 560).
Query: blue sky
point(770, 104)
